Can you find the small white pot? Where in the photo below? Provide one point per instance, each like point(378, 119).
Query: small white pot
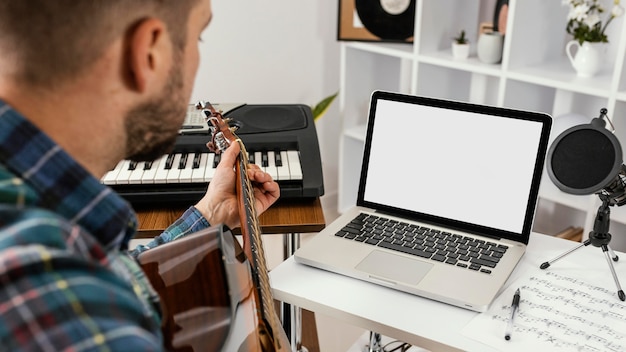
point(460, 51)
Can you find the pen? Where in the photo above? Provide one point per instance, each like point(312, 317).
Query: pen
point(514, 306)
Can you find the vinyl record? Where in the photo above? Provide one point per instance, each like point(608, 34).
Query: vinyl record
point(387, 19)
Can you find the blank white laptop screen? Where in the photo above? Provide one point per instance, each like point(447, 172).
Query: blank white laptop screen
point(465, 166)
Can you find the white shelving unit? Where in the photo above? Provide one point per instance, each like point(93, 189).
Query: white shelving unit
point(535, 74)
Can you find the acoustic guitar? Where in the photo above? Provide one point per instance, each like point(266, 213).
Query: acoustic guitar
point(216, 295)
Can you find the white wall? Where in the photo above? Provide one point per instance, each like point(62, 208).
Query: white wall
point(275, 52)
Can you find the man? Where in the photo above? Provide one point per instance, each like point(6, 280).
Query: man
point(83, 85)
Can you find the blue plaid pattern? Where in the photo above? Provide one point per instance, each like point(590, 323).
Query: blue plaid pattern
point(67, 279)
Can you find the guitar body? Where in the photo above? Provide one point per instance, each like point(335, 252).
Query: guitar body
point(207, 295)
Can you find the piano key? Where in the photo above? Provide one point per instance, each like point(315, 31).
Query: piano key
point(197, 175)
point(251, 158)
point(216, 160)
point(257, 159)
point(186, 165)
point(150, 174)
point(271, 165)
point(169, 161)
point(295, 169)
point(279, 159)
point(264, 161)
point(137, 173)
point(124, 175)
point(161, 172)
point(174, 172)
point(209, 171)
point(196, 160)
point(110, 178)
point(148, 165)
point(183, 161)
point(283, 170)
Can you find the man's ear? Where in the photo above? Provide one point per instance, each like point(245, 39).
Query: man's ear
point(149, 46)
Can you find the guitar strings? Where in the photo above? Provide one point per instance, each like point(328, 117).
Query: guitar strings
point(257, 246)
point(214, 118)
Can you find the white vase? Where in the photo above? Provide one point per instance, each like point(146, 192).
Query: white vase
point(588, 57)
point(489, 47)
point(460, 51)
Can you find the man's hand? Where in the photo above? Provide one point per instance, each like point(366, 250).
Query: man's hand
point(221, 205)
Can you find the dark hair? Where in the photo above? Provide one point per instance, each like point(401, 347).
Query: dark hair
point(54, 40)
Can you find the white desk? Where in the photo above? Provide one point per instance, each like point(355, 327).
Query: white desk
point(419, 321)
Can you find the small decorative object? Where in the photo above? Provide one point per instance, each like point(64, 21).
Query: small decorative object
point(485, 27)
point(489, 47)
point(588, 57)
point(585, 25)
point(460, 46)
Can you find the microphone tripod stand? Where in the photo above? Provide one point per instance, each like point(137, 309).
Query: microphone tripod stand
point(599, 237)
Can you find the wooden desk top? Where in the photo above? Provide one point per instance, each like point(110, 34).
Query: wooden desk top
point(285, 216)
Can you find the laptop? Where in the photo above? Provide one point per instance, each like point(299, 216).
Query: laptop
point(446, 199)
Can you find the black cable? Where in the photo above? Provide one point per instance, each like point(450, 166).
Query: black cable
point(403, 346)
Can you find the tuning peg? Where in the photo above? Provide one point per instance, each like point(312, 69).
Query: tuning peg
point(201, 105)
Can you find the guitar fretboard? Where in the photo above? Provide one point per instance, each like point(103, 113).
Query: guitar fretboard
point(256, 248)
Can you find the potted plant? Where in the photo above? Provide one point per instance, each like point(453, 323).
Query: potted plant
point(460, 46)
point(320, 108)
point(585, 24)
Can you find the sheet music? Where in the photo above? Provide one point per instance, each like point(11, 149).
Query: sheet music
point(567, 307)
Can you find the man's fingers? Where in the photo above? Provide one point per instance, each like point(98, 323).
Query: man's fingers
point(259, 176)
point(230, 155)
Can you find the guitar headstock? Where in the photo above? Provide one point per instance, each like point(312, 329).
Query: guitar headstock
point(222, 135)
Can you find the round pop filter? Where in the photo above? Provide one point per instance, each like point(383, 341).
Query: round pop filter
point(584, 159)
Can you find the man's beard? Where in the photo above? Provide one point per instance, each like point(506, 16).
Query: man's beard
point(152, 127)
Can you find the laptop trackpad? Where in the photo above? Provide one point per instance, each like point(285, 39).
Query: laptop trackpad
point(394, 267)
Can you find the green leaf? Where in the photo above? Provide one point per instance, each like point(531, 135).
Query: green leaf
point(322, 106)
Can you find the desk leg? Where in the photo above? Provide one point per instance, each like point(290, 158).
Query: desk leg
point(292, 315)
point(291, 243)
point(375, 344)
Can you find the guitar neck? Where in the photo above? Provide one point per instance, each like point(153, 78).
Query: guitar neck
point(253, 246)
point(273, 337)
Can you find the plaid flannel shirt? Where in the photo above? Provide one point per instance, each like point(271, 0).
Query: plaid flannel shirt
point(67, 279)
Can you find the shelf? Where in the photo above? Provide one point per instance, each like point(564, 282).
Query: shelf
point(560, 75)
point(621, 96)
point(356, 133)
point(400, 50)
point(472, 64)
point(619, 215)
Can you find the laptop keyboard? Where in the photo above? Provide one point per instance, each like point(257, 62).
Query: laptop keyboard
point(462, 251)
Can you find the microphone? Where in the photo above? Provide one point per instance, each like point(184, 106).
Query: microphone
point(587, 159)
